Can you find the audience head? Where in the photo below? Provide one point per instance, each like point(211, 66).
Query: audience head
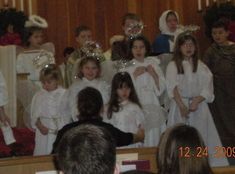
point(122, 90)
point(186, 47)
point(87, 149)
point(168, 22)
point(139, 47)
point(89, 67)
point(90, 104)
point(220, 32)
point(51, 77)
point(82, 35)
point(174, 156)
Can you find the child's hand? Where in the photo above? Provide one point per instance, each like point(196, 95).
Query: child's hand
point(194, 105)
point(151, 71)
point(139, 70)
point(139, 136)
point(184, 111)
point(43, 129)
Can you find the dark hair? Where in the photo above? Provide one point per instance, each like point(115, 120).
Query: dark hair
point(51, 72)
point(68, 50)
point(132, 16)
point(84, 61)
point(178, 56)
point(146, 44)
point(221, 23)
point(86, 149)
point(120, 80)
point(89, 103)
point(169, 159)
point(171, 13)
point(80, 29)
point(29, 31)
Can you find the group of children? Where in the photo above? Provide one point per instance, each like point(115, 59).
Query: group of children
point(132, 98)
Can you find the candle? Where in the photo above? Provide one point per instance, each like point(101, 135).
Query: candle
point(207, 3)
point(22, 5)
point(30, 7)
point(199, 3)
point(13, 3)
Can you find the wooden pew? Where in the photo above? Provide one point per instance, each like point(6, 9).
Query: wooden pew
point(30, 165)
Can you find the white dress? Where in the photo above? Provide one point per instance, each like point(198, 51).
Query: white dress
point(3, 91)
point(46, 107)
point(28, 62)
point(128, 119)
point(148, 94)
point(6, 129)
point(77, 86)
point(191, 85)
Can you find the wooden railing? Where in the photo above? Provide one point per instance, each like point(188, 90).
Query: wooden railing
point(30, 165)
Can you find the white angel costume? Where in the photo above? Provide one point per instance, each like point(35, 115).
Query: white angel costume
point(6, 129)
point(148, 94)
point(76, 87)
point(31, 62)
point(191, 85)
point(46, 107)
point(128, 119)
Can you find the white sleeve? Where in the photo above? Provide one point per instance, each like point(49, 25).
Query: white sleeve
point(35, 109)
point(3, 91)
point(206, 80)
point(140, 121)
point(105, 91)
point(171, 78)
point(20, 64)
point(162, 81)
point(64, 108)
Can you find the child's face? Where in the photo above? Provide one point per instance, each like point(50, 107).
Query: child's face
point(83, 37)
point(90, 70)
point(172, 22)
point(50, 85)
point(220, 35)
point(188, 48)
point(36, 39)
point(138, 50)
point(123, 93)
point(127, 25)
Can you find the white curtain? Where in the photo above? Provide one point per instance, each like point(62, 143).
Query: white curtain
point(7, 66)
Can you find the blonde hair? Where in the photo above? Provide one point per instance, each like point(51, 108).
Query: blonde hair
point(51, 72)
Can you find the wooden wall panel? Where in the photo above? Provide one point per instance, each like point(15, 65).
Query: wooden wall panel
point(104, 18)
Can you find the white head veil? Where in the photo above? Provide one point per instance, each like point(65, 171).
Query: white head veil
point(163, 25)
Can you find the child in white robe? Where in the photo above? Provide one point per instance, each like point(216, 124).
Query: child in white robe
point(4, 120)
point(88, 76)
point(190, 88)
point(124, 109)
point(46, 117)
point(149, 83)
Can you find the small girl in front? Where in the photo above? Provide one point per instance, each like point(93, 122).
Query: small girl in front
point(46, 116)
point(124, 109)
point(190, 88)
point(88, 76)
point(149, 83)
